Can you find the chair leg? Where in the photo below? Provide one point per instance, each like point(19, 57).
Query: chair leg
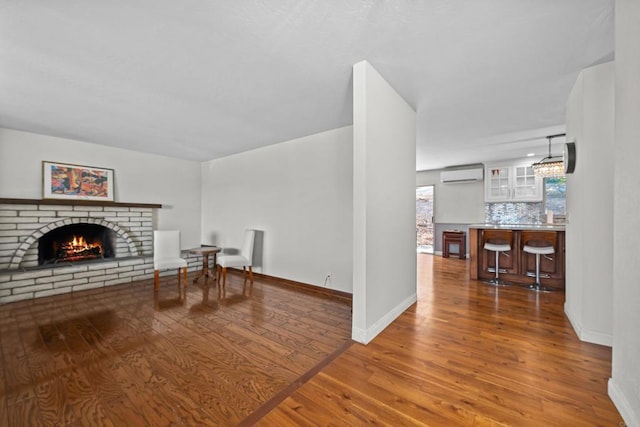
point(184, 277)
point(156, 280)
point(224, 281)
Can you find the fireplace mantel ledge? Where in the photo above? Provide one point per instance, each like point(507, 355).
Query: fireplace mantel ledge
point(77, 203)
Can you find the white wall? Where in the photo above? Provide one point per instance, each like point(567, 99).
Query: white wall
point(459, 203)
point(139, 177)
point(589, 241)
point(384, 234)
point(299, 195)
point(624, 387)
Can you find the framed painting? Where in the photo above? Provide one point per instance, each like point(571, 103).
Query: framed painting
point(76, 182)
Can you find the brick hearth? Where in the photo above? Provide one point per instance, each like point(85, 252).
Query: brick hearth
point(21, 225)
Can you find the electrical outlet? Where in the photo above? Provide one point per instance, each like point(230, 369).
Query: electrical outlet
point(327, 279)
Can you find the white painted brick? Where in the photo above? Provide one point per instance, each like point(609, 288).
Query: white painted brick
point(52, 292)
point(67, 283)
point(37, 213)
point(4, 292)
point(6, 252)
point(96, 214)
point(17, 283)
point(31, 289)
point(54, 279)
point(88, 286)
point(8, 226)
point(115, 209)
point(117, 281)
point(130, 214)
point(71, 269)
point(33, 274)
point(131, 274)
point(29, 226)
point(130, 224)
point(14, 298)
point(146, 276)
point(134, 261)
point(14, 220)
point(147, 214)
point(88, 208)
point(6, 277)
point(28, 264)
point(55, 208)
point(77, 214)
point(4, 246)
point(120, 269)
point(8, 213)
point(9, 239)
point(96, 273)
point(22, 207)
point(103, 277)
point(102, 265)
point(147, 223)
point(17, 233)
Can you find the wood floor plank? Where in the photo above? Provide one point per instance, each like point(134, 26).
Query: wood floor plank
point(465, 354)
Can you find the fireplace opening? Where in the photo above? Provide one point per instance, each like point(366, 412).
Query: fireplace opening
point(76, 242)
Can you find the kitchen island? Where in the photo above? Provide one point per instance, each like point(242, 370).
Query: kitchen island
point(516, 266)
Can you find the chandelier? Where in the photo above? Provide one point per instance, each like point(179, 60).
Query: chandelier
point(550, 166)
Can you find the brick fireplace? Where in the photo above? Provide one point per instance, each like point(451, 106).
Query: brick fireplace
point(24, 222)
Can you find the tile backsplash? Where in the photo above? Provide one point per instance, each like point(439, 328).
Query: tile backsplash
point(515, 213)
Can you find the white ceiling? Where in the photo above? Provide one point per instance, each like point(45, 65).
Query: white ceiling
point(202, 79)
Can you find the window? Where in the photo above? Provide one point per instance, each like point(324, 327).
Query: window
point(555, 199)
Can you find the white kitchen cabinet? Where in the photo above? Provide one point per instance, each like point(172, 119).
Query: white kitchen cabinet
point(512, 183)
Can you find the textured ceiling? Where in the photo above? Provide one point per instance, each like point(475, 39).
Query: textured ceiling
point(204, 79)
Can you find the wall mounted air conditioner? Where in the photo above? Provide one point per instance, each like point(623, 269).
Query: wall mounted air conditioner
point(462, 175)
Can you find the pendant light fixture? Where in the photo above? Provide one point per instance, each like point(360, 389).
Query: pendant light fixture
point(550, 166)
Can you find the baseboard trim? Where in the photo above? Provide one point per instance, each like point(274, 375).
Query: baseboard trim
point(307, 287)
point(364, 336)
point(630, 417)
point(586, 335)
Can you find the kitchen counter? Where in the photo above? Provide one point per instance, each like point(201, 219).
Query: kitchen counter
point(532, 227)
point(516, 264)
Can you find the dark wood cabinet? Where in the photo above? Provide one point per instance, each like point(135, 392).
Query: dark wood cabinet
point(516, 264)
point(454, 242)
point(508, 261)
point(551, 266)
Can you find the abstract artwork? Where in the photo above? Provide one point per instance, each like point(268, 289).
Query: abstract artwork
point(75, 182)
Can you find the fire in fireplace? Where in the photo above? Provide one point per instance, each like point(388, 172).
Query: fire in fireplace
point(76, 242)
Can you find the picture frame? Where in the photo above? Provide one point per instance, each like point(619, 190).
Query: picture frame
point(76, 182)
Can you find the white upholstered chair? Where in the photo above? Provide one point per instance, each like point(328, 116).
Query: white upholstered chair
point(166, 254)
point(244, 260)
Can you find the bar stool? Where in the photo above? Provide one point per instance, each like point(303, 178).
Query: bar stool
point(498, 241)
point(539, 243)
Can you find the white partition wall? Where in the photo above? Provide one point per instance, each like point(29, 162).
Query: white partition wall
point(624, 386)
point(589, 238)
point(384, 158)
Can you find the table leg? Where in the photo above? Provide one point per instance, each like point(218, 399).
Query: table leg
point(205, 271)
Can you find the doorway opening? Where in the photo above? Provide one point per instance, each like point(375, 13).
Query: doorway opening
point(424, 219)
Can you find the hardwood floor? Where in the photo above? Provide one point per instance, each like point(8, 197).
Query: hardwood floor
point(467, 354)
point(120, 357)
